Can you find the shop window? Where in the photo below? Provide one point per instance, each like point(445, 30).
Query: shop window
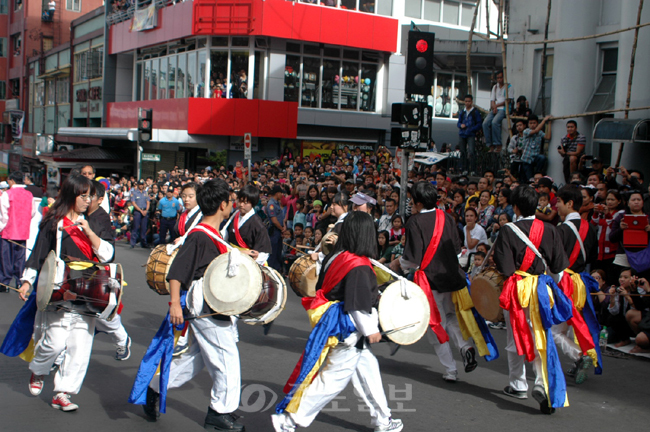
point(442, 96)
point(162, 79)
point(191, 73)
point(138, 81)
point(239, 75)
point(367, 86)
point(39, 93)
point(200, 87)
point(350, 86)
point(154, 79)
point(171, 77)
point(459, 92)
point(146, 88)
point(259, 84)
point(310, 80)
point(50, 92)
point(292, 79)
point(219, 73)
point(331, 83)
point(63, 90)
point(180, 76)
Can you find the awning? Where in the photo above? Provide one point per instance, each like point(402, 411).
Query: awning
point(56, 72)
point(98, 157)
point(128, 134)
point(620, 130)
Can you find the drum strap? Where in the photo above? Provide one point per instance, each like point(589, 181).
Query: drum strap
point(532, 241)
point(80, 240)
point(238, 237)
point(580, 238)
point(421, 279)
point(219, 242)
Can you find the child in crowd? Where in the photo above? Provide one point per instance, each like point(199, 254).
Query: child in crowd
point(314, 213)
point(473, 202)
point(287, 251)
point(479, 257)
point(308, 237)
point(300, 217)
point(543, 204)
point(397, 230)
point(385, 251)
point(398, 250)
point(318, 236)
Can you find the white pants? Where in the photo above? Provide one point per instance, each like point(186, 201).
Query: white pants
point(70, 332)
point(114, 328)
point(214, 346)
point(516, 362)
point(449, 322)
point(344, 363)
point(563, 338)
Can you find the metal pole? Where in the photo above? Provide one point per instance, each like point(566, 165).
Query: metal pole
point(249, 170)
point(403, 181)
point(138, 161)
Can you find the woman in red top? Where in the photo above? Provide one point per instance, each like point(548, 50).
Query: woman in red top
point(603, 217)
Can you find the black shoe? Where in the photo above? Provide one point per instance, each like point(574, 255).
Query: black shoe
point(267, 328)
point(517, 394)
point(222, 422)
point(539, 394)
point(151, 408)
point(469, 359)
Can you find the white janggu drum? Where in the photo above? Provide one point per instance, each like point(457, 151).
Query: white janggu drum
point(271, 300)
point(404, 318)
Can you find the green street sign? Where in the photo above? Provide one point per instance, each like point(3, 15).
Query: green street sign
point(150, 157)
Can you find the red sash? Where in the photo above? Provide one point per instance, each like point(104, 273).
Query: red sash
point(421, 279)
point(583, 230)
point(80, 239)
point(238, 237)
point(213, 233)
point(181, 222)
point(509, 297)
point(337, 270)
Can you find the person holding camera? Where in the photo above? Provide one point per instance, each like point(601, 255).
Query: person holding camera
point(571, 148)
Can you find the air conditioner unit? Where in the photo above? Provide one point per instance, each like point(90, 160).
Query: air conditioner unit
point(65, 147)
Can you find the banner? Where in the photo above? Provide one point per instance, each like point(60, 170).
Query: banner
point(145, 19)
point(16, 119)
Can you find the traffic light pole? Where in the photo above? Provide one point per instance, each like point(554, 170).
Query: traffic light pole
point(403, 181)
point(138, 162)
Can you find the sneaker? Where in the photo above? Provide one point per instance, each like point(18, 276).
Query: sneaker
point(215, 421)
point(36, 384)
point(581, 368)
point(151, 408)
point(450, 377)
point(394, 425)
point(539, 394)
point(517, 394)
point(180, 349)
point(497, 325)
point(282, 423)
point(62, 402)
point(123, 352)
point(469, 359)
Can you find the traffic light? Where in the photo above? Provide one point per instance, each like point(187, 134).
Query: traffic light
point(145, 129)
point(406, 114)
point(419, 63)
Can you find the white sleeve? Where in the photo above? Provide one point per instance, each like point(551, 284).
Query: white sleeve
point(262, 257)
point(613, 309)
point(366, 323)
point(4, 210)
point(29, 275)
point(105, 251)
point(493, 93)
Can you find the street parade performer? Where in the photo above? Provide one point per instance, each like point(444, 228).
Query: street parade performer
point(524, 251)
point(213, 338)
point(345, 322)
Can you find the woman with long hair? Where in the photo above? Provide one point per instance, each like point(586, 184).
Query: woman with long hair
point(347, 292)
point(485, 210)
point(603, 217)
point(503, 204)
point(474, 233)
point(65, 230)
point(385, 249)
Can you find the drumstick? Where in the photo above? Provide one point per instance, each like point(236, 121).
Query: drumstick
point(296, 249)
point(206, 315)
point(10, 287)
point(18, 244)
point(63, 228)
point(387, 332)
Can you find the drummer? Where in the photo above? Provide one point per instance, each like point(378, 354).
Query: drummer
point(215, 336)
point(100, 222)
point(245, 228)
point(340, 205)
point(442, 273)
point(346, 294)
point(581, 246)
point(525, 269)
point(65, 329)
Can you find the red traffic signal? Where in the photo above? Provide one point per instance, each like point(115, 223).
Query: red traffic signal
point(419, 63)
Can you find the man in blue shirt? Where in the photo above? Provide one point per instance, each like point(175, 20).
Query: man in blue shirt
point(169, 207)
point(140, 200)
point(469, 123)
point(276, 227)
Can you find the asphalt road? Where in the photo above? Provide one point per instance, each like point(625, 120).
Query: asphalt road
point(412, 380)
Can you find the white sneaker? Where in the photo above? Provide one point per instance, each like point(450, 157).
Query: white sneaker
point(283, 423)
point(36, 384)
point(62, 402)
point(394, 425)
point(450, 376)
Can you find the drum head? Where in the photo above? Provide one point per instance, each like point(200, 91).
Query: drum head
point(396, 311)
point(119, 275)
point(271, 301)
point(485, 291)
point(232, 295)
point(303, 277)
point(46, 278)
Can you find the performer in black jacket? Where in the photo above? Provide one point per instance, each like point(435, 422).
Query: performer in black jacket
point(192, 214)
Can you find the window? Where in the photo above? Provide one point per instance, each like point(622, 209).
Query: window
point(48, 43)
point(18, 5)
point(548, 87)
point(384, 7)
point(453, 12)
point(17, 42)
point(39, 93)
point(63, 90)
point(50, 92)
point(603, 97)
point(73, 5)
point(3, 47)
point(3, 90)
point(96, 62)
point(14, 85)
point(337, 79)
point(3, 7)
